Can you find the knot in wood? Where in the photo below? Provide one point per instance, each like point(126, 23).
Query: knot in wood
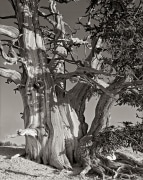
point(38, 85)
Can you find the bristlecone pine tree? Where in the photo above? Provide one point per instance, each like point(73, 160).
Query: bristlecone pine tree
point(54, 116)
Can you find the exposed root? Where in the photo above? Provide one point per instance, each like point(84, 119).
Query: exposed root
point(123, 167)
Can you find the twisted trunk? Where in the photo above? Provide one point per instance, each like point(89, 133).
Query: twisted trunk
point(104, 105)
point(51, 118)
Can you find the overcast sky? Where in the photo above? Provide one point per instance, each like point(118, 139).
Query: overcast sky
point(11, 104)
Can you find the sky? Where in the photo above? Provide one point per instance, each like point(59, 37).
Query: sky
point(11, 103)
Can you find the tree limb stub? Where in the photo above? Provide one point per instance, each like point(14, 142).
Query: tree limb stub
point(24, 132)
point(13, 75)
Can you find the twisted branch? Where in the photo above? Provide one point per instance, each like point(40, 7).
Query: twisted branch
point(11, 75)
point(9, 31)
point(11, 58)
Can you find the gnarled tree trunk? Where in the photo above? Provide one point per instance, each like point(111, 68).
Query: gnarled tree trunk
point(48, 114)
point(104, 105)
point(53, 118)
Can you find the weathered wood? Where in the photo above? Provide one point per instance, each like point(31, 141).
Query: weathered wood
point(11, 75)
point(104, 104)
point(9, 31)
point(56, 124)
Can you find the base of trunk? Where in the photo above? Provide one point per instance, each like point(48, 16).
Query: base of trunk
point(56, 148)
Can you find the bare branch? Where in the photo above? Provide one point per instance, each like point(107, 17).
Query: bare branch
point(24, 132)
point(85, 79)
point(93, 71)
point(66, 1)
point(43, 14)
point(8, 17)
point(52, 6)
point(10, 74)
point(80, 71)
point(9, 31)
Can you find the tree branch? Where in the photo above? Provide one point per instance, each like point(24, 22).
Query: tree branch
point(10, 74)
point(9, 31)
point(85, 79)
point(12, 57)
point(8, 17)
point(83, 71)
point(24, 132)
point(135, 83)
point(42, 14)
point(66, 1)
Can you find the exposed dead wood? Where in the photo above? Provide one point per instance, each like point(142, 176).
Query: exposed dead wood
point(12, 57)
point(127, 159)
point(11, 75)
point(24, 132)
point(9, 31)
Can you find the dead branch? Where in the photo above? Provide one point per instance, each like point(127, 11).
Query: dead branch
point(9, 31)
point(52, 6)
point(11, 58)
point(8, 17)
point(84, 79)
point(24, 132)
point(88, 70)
point(12, 75)
point(43, 14)
point(66, 1)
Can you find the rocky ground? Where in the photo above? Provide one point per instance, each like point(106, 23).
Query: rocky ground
point(18, 168)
